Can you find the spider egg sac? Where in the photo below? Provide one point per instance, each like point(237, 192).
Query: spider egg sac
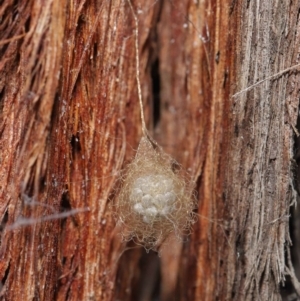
point(154, 200)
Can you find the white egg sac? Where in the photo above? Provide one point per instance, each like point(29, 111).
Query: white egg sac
point(153, 196)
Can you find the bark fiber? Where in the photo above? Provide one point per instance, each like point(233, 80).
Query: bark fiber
point(70, 121)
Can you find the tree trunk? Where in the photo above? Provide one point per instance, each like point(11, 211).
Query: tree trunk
point(70, 121)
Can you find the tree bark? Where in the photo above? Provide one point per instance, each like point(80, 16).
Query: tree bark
point(70, 121)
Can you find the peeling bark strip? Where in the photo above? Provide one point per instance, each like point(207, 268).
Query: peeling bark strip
point(197, 86)
point(245, 150)
point(30, 70)
point(67, 83)
point(259, 185)
point(70, 117)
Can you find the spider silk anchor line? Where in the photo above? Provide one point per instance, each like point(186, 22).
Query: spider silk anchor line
point(155, 199)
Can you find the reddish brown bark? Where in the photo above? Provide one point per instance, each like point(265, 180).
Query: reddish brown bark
point(69, 115)
point(70, 121)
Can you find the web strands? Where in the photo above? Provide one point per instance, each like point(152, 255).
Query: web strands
point(154, 200)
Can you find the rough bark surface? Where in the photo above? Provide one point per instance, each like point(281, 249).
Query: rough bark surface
point(70, 121)
point(69, 115)
point(259, 181)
